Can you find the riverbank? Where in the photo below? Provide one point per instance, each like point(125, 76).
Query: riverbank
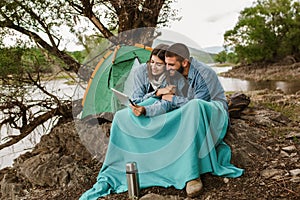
point(276, 72)
point(265, 141)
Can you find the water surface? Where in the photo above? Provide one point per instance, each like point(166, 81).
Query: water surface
point(235, 84)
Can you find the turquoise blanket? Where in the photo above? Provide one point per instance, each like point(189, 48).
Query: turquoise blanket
point(169, 149)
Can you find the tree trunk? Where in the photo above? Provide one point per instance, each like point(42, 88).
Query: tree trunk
point(137, 22)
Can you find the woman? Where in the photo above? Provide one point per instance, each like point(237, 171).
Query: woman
point(150, 76)
point(150, 79)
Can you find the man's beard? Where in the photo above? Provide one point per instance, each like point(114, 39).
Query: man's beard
point(175, 75)
point(180, 70)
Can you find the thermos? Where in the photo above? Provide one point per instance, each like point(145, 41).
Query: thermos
point(132, 180)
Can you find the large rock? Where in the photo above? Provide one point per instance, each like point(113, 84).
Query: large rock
point(55, 160)
point(60, 161)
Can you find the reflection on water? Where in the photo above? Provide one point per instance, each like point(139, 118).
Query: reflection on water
point(234, 84)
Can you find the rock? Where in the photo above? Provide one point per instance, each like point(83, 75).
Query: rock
point(262, 183)
point(289, 148)
point(208, 197)
point(295, 180)
point(282, 164)
point(243, 143)
point(295, 172)
point(284, 154)
point(269, 173)
point(226, 180)
point(10, 185)
point(41, 169)
point(54, 160)
point(152, 196)
point(277, 177)
point(277, 148)
point(292, 135)
point(94, 137)
point(293, 154)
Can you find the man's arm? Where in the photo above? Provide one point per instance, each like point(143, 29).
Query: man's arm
point(197, 90)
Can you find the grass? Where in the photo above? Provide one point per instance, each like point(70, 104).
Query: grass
point(292, 111)
point(224, 64)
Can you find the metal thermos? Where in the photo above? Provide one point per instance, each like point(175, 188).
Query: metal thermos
point(132, 180)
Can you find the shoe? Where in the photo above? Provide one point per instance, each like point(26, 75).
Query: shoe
point(194, 187)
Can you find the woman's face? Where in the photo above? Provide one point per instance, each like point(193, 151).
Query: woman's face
point(157, 65)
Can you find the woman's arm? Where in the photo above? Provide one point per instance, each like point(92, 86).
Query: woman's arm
point(140, 84)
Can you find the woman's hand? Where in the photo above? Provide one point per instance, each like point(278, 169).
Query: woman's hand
point(170, 89)
point(138, 110)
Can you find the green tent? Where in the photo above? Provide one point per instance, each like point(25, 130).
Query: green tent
point(112, 71)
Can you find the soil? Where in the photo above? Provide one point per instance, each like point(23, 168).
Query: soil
point(265, 141)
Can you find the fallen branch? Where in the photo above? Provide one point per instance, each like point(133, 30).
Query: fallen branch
point(64, 110)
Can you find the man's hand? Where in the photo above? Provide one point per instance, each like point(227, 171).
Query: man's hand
point(170, 89)
point(167, 97)
point(138, 110)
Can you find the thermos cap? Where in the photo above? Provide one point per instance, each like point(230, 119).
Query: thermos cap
point(131, 166)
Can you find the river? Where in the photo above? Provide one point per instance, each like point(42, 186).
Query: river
point(65, 91)
point(235, 84)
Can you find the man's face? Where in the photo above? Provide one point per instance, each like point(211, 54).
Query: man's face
point(172, 65)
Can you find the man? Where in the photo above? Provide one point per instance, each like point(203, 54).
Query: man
point(203, 81)
point(203, 84)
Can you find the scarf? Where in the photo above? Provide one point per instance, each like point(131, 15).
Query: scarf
point(157, 83)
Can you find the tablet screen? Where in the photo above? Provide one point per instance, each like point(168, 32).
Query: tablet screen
point(123, 98)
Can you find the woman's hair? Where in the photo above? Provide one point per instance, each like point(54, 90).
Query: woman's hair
point(158, 51)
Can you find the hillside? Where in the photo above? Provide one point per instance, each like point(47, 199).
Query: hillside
point(199, 54)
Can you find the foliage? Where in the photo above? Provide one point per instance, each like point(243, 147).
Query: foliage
point(226, 57)
point(10, 61)
point(267, 32)
point(78, 55)
point(17, 62)
point(221, 57)
point(36, 61)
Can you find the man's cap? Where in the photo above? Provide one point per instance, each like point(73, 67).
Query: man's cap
point(180, 50)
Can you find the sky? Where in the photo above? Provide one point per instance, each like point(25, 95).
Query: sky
point(206, 21)
point(203, 22)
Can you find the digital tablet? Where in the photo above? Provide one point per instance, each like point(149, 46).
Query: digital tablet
point(123, 98)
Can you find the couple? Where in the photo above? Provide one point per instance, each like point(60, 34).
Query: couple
point(152, 79)
point(174, 133)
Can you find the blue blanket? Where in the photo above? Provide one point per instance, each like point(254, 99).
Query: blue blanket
point(169, 149)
